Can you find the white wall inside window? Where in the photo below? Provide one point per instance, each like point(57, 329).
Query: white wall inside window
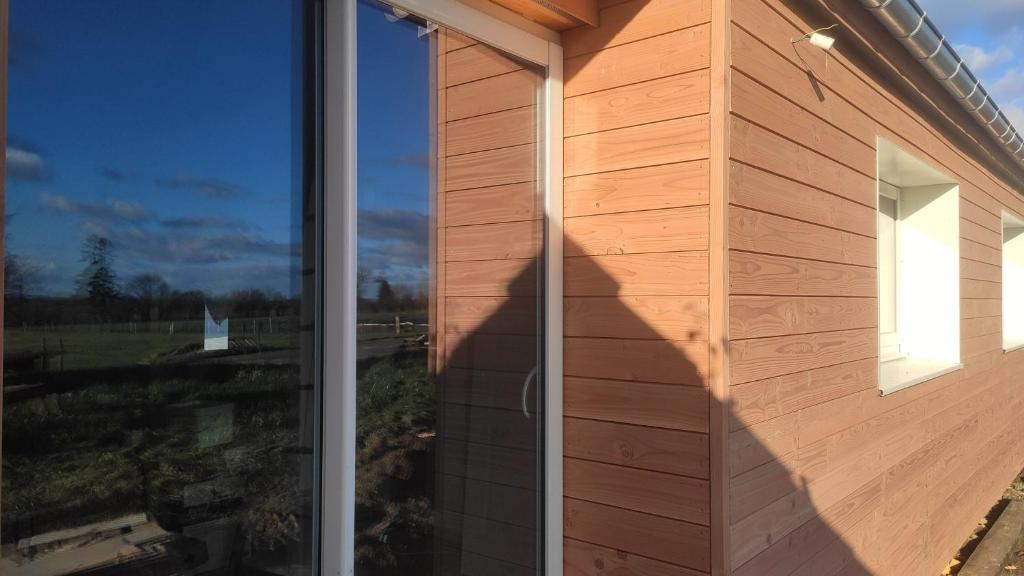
point(919, 253)
point(1013, 282)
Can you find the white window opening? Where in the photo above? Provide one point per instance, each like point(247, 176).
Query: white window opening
point(1013, 282)
point(918, 272)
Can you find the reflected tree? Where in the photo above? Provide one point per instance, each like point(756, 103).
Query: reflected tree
point(97, 280)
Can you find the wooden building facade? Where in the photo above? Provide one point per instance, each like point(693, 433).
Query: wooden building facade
point(723, 411)
point(744, 391)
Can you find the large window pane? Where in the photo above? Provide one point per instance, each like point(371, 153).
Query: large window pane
point(449, 248)
point(158, 399)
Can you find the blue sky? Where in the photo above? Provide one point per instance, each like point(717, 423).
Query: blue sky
point(989, 34)
point(164, 126)
point(169, 128)
point(394, 147)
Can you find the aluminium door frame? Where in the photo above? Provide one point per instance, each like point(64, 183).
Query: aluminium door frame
point(337, 529)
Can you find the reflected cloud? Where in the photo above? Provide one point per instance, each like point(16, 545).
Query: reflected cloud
point(114, 175)
point(113, 210)
point(199, 223)
point(157, 247)
point(414, 160)
point(394, 224)
point(211, 188)
point(23, 164)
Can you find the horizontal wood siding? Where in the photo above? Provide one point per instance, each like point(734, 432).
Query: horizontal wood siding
point(827, 476)
point(485, 243)
point(637, 467)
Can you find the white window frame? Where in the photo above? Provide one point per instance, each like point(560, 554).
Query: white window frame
point(1009, 221)
point(512, 34)
point(927, 250)
point(889, 342)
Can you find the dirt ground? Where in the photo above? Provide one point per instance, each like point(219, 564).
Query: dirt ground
point(1015, 492)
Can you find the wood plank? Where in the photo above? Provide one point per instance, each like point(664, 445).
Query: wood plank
point(980, 271)
point(980, 252)
point(665, 55)
point(634, 104)
point(473, 534)
point(493, 464)
point(491, 426)
point(676, 273)
point(476, 62)
point(490, 388)
point(491, 278)
point(649, 188)
point(775, 356)
point(758, 147)
point(787, 554)
point(762, 400)
point(503, 352)
point(585, 559)
point(761, 274)
point(769, 234)
point(665, 142)
point(455, 41)
point(503, 241)
point(762, 443)
point(654, 493)
point(492, 314)
point(631, 21)
point(658, 361)
point(510, 203)
point(770, 68)
point(640, 403)
point(670, 451)
point(659, 538)
point(555, 14)
point(763, 107)
point(751, 187)
point(980, 234)
point(643, 317)
point(497, 130)
point(505, 92)
point(668, 230)
point(492, 168)
point(761, 316)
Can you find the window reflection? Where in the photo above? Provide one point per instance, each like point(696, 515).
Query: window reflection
point(158, 398)
point(449, 245)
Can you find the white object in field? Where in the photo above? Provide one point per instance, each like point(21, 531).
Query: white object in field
point(822, 41)
point(216, 333)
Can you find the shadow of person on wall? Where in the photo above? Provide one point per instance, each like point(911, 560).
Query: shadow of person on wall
point(637, 462)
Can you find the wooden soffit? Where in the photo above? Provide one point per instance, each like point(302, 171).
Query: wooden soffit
point(555, 14)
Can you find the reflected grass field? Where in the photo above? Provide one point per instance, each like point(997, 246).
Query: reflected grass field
point(90, 346)
point(134, 432)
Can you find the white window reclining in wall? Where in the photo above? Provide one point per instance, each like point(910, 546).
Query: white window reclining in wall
point(1013, 282)
point(918, 270)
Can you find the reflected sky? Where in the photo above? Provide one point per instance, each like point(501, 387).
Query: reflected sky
point(168, 127)
point(394, 147)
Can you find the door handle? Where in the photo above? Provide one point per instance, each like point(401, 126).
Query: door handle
point(526, 388)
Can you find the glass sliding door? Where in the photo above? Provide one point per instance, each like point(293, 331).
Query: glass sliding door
point(159, 351)
point(450, 374)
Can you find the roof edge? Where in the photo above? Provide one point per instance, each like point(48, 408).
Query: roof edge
point(909, 24)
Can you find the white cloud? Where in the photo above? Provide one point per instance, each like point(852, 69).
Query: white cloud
point(23, 165)
point(1015, 114)
point(955, 15)
point(1010, 86)
point(980, 60)
point(113, 210)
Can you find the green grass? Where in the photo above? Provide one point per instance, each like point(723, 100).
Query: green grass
point(92, 346)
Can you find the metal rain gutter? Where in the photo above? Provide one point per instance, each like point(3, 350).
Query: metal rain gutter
point(912, 27)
